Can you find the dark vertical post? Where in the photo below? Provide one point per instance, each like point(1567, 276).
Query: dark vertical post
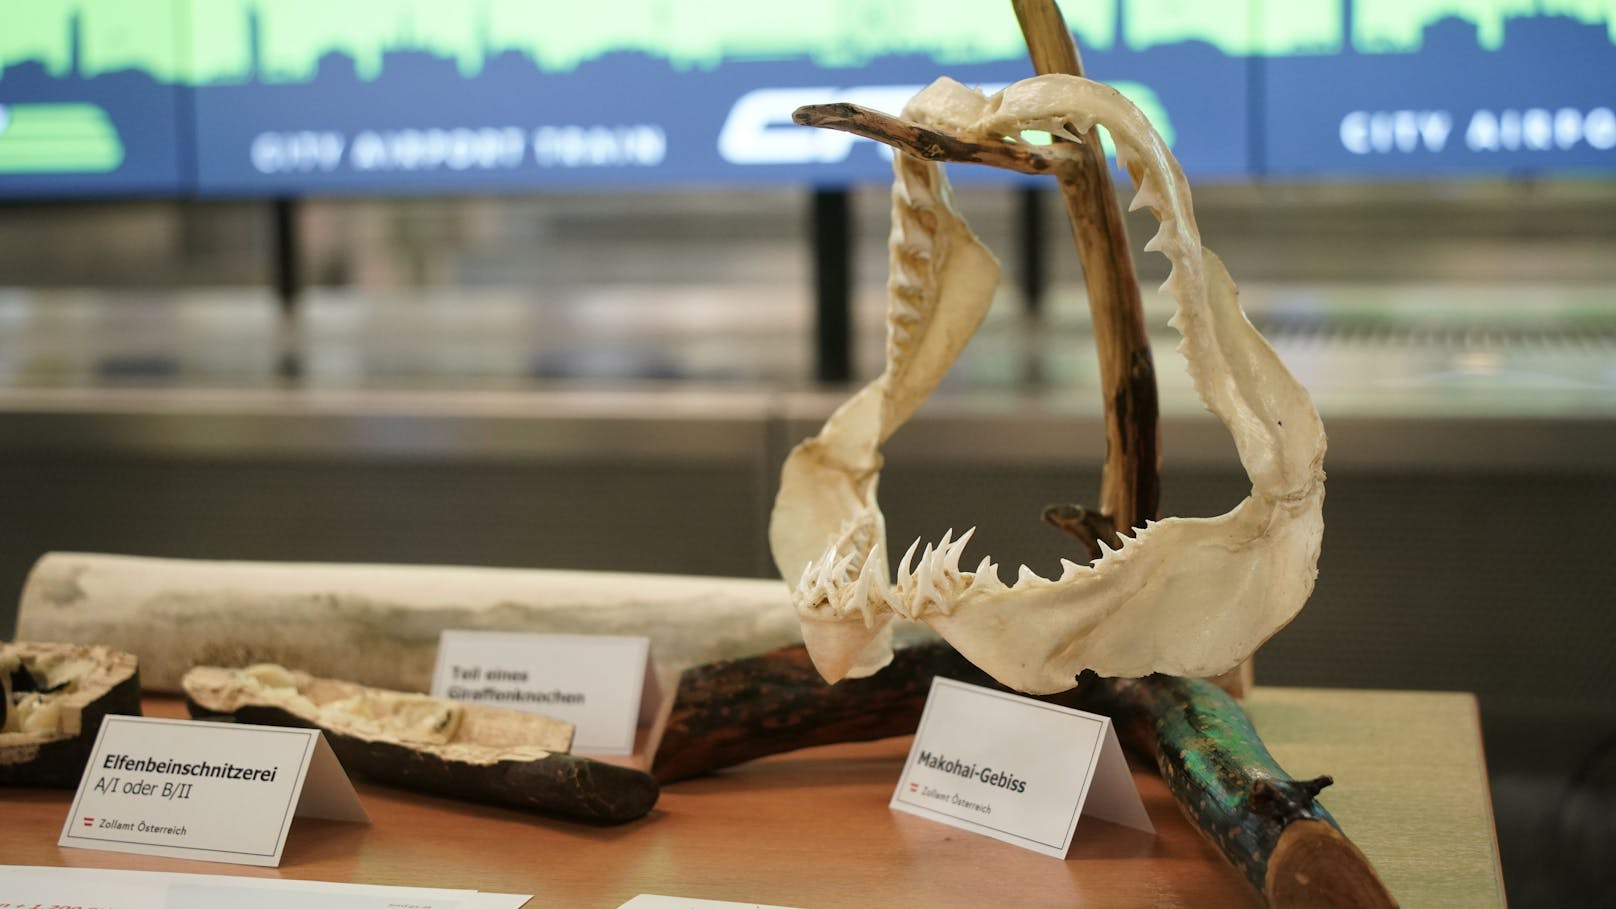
point(1034, 272)
point(832, 237)
point(286, 272)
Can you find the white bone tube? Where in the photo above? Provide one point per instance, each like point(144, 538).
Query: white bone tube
point(378, 625)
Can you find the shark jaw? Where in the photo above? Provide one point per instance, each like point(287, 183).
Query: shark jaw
point(1187, 596)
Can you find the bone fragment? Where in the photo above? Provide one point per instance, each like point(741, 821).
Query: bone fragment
point(378, 625)
point(52, 700)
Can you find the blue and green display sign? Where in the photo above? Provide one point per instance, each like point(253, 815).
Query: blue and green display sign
point(270, 97)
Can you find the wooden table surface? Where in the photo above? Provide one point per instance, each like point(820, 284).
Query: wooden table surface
point(812, 829)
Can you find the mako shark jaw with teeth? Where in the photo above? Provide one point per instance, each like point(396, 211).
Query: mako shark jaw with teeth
point(1186, 596)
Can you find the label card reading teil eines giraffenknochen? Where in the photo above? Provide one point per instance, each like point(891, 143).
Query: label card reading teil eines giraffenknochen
point(602, 684)
point(218, 792)
point(1015, 769)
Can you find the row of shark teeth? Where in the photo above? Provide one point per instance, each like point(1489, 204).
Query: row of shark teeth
point(912, 259)
point(842, 582)
point(830, 584)
point(936, 580)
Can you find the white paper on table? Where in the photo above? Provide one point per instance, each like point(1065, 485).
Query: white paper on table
point(498, 901)
point(108, 889)
point(26, 885)
point(655, 901)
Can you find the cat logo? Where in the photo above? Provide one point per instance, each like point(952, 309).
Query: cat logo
point(759, 128)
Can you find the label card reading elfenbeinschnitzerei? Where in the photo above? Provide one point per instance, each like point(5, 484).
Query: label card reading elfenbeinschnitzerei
point(1015, 769)
point(218, 792)
point(601, 684)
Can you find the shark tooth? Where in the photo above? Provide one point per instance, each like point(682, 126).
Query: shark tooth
point(925, 593)
point(986, 577)
point(1148, 196)
point(903, 563)
point(1159, 241)
point(951, 563)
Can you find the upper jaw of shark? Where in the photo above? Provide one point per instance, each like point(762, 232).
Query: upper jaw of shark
point(1188, 596)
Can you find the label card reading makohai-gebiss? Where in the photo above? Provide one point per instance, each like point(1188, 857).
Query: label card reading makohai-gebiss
point(602, 684)
point(1016, 769)
point(218, 792)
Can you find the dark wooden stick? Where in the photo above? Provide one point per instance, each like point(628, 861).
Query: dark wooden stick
point(931, 145)
point(1089, 527)
point(1130, 485)
point(733, 711)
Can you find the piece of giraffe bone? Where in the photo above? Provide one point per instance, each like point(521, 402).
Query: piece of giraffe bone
point(1184, 596)
point(379, 625)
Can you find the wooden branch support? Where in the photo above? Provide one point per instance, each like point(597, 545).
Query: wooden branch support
point(1223, 778)
point(1089, 527)
point(929, 144)
point(1130, 489)
point(734, 711)
point(1267, 824)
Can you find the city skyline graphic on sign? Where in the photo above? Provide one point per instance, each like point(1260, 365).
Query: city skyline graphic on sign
point(256, 97)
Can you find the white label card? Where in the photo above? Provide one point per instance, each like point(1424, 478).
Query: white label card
point(602, 684)
point(653, 901)
point(218, 792)
point(1016, 769)
point(23, 887)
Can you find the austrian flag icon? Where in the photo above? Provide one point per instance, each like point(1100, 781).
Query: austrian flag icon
point(89, 822)
point(914, 787)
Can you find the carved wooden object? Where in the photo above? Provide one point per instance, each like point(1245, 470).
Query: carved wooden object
point(53, 698)
point(461, 751)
